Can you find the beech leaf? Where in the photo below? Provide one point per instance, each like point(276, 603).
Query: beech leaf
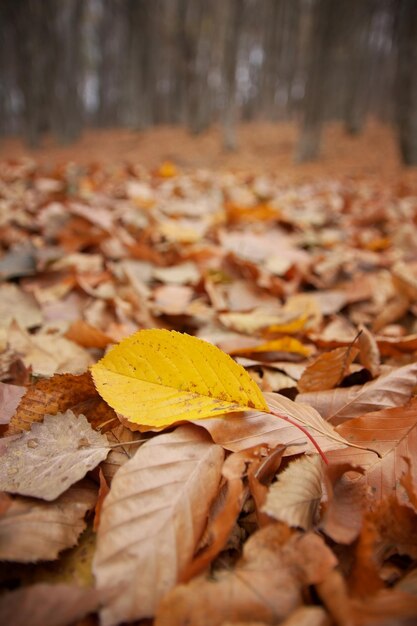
point(266, 584)
point(47, 605)
point(295, 497)
point(55, 454)
point(158, 377)
point(390, 390)
point(393, 433)
point(153, 518)
point(37, 531)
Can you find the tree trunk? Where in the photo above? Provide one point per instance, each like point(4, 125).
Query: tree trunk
point(406, 92)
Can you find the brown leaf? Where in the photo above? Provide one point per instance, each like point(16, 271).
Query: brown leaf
point(346, 495)
point(386, 608)
point(327, 370)
point(120, 454)
point(390, 390)
point(10, 396)
point(46, 353)
point(369, 354)
point(334, 595)
point(17, 305)
point(295, 497)
point(37, 531)
point(265, 585)
point(48, 605)
point(241, 431)
point(388, 530)
point(103, 491)
point(87, 336)
point(57, 395)
point(153, 518)
point(55, 454)
point(393, 433)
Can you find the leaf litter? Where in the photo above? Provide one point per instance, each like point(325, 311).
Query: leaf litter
point(234, 517)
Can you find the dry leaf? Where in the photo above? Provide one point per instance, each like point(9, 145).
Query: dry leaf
point(87, 336)
point(295, 497)
point(246, 430)
point(346, 494)
point(393, 433)
point(54, 455)
point(10, 396)
point(37, 531)
point(17, 305)
point(48, 605)
point(387, 608)
point(265, 585)
point(327, 370)
point(153, 518)
point(157, 377)
point(369, 354)
point(57, 395)
point(390, 390)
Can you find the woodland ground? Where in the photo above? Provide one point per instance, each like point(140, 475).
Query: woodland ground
point(307, 276)
point(263, 147)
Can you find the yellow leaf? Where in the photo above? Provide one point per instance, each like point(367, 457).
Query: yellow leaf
point(158, 377)
point(167, 170)
point(285, 344)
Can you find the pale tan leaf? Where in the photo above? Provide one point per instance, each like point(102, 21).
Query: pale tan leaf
point(307, 616)
point(346, 497)
point(10, 396)
point(249, 429)
point(393, 433)
point(55, 454)
point(295, 497)
point(17, 305)
point(37, 531)
point(390, 390)
point(369, 354)
point(266, 585)
point(48, 605)
point(153, 518)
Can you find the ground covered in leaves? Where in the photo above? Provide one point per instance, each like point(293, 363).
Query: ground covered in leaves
point(312, 288)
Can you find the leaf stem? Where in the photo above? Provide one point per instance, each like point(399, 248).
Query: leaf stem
point(303, 430)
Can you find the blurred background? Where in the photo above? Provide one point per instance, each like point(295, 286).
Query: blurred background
point(70, 65)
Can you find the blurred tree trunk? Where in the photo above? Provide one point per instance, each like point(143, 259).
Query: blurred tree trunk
point(316, 92)
point(234, 24)
point(406, 88)
point(359, 15)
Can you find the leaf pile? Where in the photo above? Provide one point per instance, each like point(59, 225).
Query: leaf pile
point(148, 475)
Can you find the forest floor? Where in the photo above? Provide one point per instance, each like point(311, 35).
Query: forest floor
point(262, 147)
point(208, 377)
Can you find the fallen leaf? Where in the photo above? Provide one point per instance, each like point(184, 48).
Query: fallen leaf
point(346, 501)
point(285, 344)
point(38, 531)
point(48, 605)
point(393, 433)
point(157, 377)
point(390, 390)
point(10, 396)
point(17, 305)
point(327, 370)
point(265, 585)
point(295, 497)
point(57, 395)
point(386, 608)
point(369, 354)
point(87, 336)
point(152, 519)
point(46, 461)
point(249, 429)
point(48, 354)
